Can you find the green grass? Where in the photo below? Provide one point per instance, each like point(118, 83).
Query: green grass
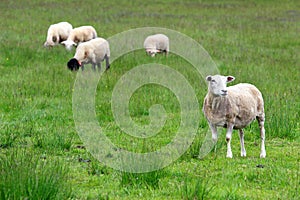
point(28, 175)
point(255, 41)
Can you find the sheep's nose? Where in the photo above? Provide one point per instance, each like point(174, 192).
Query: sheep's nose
point(224, 92)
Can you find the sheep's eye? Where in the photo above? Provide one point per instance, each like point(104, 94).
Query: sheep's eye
point(213, 81)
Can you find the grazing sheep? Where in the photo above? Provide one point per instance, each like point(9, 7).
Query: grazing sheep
point(233, 107)
point(156, 44)
point(78, 35)
point(93, 51)
point(57, 33)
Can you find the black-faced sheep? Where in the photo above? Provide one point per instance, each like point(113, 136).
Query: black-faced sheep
point(233, 107)
point(157, 43)
point(57, 33)
point(93, 51)
point(78, 35)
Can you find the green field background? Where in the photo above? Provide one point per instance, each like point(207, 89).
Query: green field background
point(41, 154)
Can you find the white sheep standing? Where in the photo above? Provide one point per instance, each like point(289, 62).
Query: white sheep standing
point(233, 107)
point(58, 33)
point(93, 51)
point(78, 35)
point(156, 44)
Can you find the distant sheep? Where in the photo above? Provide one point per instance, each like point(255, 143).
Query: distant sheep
point(78, 35)
point(93, 51)
point(57, 33)
point(233, 107)
point(156, 44)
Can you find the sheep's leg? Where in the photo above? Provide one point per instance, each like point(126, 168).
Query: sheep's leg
point(214, 132)
point(94, 67)
point(107, 62)
point(243, 150)
point(261, 122)
point(99, 66)
point(228, 139)
point(82, 67)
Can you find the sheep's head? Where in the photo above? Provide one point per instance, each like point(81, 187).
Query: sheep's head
point(74, 64)
point(152, 52)
point(68, 44)
point(217, 84)
point(48, 44)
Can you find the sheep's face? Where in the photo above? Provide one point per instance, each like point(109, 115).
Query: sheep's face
point(73, 64)
point(217, 84)
point(48, 44)
point(152, 52)
point(68, 44)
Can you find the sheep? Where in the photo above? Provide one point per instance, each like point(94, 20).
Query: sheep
point(156, 44)
point(78, 35)
point(93, 51)
point(233, 107)
point(57, 33)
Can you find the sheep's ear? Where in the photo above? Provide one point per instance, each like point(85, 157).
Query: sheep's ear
point(230, 79)
point(208, 78)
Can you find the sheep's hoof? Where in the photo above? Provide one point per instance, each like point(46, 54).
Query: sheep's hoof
point(215, 138)
point(243, 154)
point(229, 155)
point(263, 155)
point(108, 67)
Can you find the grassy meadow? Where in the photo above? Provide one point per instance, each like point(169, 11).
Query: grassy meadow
point(41, 154)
